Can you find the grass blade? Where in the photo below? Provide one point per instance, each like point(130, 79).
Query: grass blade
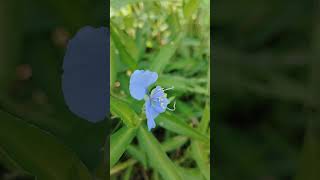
point(161, 161)
point(125, 57)
point(113, 66)
point(137, 154)
point(201, 158)
point(164, 55)
point(119, 142)
point(182, 84)
point(121, 109)
point(190, 173)
point(174, 124)
point(204, 123)
point(174, 143)
point(168, 145)
point(128, 42)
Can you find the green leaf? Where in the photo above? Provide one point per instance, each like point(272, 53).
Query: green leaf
point(33, 149)
point(204, 123)
point(199, 152)
point(190, 173)
point(118, 4)
point(164, 55)
point(201, 157)
point(190, 7)
point(183, 84)
point(119, 142)
point(61, 125)
point(128, 42)
point(128, 174)
point(113, 66)
point(9, 163)
point(121, 109)
point(174, 124)
point(168, 145)
point(157, 158)
point(121, 166)
point(125, 57)
point(174, 143)
point(137, 154)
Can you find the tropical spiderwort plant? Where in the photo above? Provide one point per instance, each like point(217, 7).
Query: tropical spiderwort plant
point(156, 102)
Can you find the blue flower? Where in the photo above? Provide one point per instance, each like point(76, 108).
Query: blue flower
point(156, 102)
point(140, 81)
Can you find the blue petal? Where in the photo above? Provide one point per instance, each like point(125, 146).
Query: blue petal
point(86, 74)
point(157, 92)
point(151, 115)
point(140, 80)
point(158, 99)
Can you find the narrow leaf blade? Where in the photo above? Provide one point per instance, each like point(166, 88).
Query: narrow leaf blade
point(164, 55)
point(119, 142)
point(172, 123)
point(121, 109)
point(161, 161)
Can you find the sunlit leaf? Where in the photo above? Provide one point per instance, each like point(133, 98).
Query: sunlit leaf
point(190, 7)
point(121, 109)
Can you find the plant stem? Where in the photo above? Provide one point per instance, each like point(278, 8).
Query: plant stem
point(121, 166)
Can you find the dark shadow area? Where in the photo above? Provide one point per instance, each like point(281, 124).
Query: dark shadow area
point(37, 129)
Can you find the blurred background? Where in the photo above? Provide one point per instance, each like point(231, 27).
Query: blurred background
point(266, 89)
point(33, 39)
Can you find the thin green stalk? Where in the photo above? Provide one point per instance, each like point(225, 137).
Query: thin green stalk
point(121, 166)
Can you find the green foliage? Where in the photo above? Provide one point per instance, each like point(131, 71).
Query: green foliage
point(62, 164)
point(157, 158)
point(121, 109)
point(170, 38)
point(119, 142)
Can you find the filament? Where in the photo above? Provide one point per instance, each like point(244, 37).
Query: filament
point(168, 88)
